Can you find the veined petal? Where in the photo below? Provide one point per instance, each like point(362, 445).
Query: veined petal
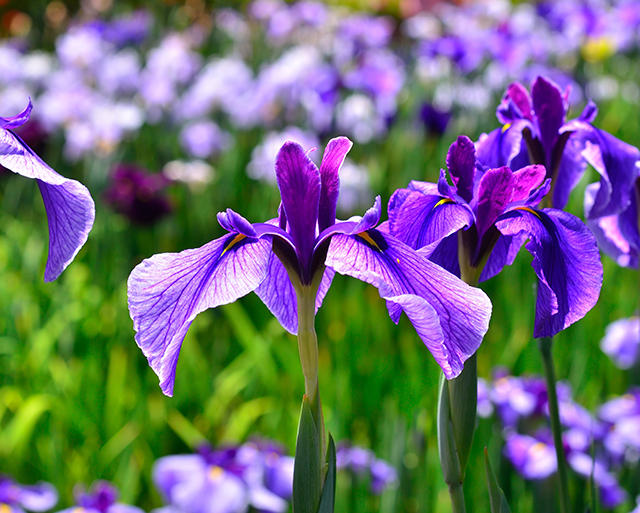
point(299, 184)
point(503, 253)
point(450, 316)
point(624, 250)
point(572, 167)
point(461, 163)
point(168, 290)
point(616, 162)
point(279, 296)
point(422, 221)
point(550, 113)
point(17, 120)
point(334, 155)
point(503, 146)
point(70, 208)
point(566, 261)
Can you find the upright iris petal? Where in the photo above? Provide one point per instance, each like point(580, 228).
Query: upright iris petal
point(303, 247)
point(492, 226)
point(70, 208)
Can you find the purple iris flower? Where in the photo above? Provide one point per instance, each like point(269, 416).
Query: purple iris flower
point(17, 498)
point(621, 341)
point(611, 493)
point(102, 497)
point(491, 213)
point(536, 131)
point(434, 120)
point(297, 255)
point(70, 208)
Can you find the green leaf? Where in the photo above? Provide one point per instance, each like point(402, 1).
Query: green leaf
point(307, 476)
point(497, 499)
point(328, 499)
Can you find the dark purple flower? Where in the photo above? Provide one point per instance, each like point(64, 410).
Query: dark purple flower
point(15, 498)
point(516, 397)
point(383, 476)
point(363, 462)
point(536, 131)
point(297, 255)
point(137, 194)
point(434, 120)
point(102, 497)
point(70, 208)
point(621, 342)
point(131, 29)
point(491, 213)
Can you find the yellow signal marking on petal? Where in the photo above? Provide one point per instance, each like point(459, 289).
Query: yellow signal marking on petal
point(215, 472)
point(235, 240)
point(367, 237)
point(75, 510)
point(530, 210)
point(442, 202)
point(398, 260)
point(506, 127)
point(538, 448)
point(5, 508)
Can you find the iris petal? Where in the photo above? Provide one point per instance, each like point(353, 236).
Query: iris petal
point(566, 261)
point(334, 155)
point(450, 316)
point(70, 208)
point(168, 290)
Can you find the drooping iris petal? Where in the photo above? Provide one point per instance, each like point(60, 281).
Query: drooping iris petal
point(503, 147)
point(622, 247)
point(70, 208)
point(168, 290)
point(422, 221)
point(299, 183)
point(450, 316)
point(334, 155)
point(566, 261)
point(615, 161)
point(534, 459)
point(461, 163)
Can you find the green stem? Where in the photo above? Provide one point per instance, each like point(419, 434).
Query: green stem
point(457, 498)
point(544, 345)
point(307, 340)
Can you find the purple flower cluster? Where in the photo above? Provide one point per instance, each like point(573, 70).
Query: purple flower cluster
point(598, 446)
point(363, 463)
point(17, 498)
point(256, 474)
point(102, 497)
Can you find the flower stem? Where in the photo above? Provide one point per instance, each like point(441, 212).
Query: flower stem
point(544, 344)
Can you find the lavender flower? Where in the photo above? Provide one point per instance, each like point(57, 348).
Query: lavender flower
point(363, 463)
point(532, 457)
point(70, 208)
point(296, 255)
point(15, 498)
point(490, 213)
point(621, 341)
point(102, 497)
